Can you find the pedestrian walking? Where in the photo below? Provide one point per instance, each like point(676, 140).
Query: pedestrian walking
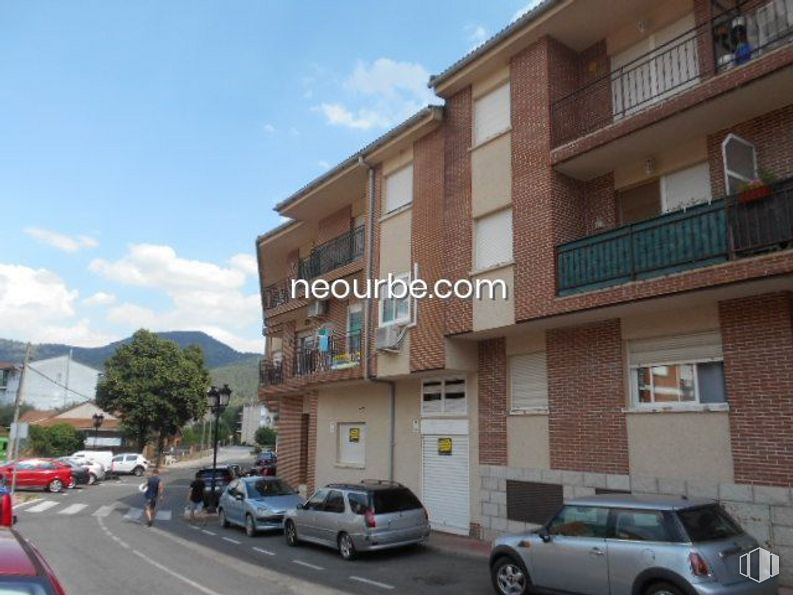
point(195, 499)
point(155, 490)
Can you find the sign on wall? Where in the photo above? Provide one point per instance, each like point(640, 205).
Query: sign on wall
point(445, 446)
point(355, 434)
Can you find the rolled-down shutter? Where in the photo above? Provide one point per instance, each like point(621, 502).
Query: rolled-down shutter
point(678, 348)
point(528, 380)
point(493, 239)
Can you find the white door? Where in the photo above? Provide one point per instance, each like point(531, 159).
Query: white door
point(445, 484)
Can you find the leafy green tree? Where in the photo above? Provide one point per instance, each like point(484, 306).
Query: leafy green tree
point(155, 386)
point(55, 441)
point(265, 436)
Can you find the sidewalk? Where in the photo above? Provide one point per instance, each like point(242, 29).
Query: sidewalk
point(459, 545)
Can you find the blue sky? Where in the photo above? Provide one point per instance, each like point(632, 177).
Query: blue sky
point(143, 145)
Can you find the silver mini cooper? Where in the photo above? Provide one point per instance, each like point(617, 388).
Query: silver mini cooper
point(357, 517)
point(631, 545)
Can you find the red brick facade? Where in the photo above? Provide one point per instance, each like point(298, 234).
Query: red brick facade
point(586, 388)
point(493, 402)
point(757, 336)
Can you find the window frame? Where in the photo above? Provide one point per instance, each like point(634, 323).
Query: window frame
point(532, 408)
point(477, 267)
point(476, 141)
point(729, 173)
point(399, 170)
point(405, 319)
point(634, 384)
point(443, 412)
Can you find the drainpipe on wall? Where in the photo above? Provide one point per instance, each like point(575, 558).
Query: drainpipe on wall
point(367, 376)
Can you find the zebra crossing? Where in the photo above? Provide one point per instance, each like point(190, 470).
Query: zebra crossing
point(129, 514)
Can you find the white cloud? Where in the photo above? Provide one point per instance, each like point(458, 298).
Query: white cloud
point(36, 305)
point(323, 164)
point(268, 128)
point(530, 6)
point(203, 296)
point(380, 95)
point(61, 241)
point(100, 298)
point(477, 35)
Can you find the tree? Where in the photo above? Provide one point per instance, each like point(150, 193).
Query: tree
point(265, 436)
point(155, 386)
point(55, 441)
point(7, 413)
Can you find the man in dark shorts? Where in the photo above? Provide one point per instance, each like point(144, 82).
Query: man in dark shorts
point(195, 498)
point(155, 490)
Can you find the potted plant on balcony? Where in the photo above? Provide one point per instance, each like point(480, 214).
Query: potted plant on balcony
point(756, 189)
point(343, 361)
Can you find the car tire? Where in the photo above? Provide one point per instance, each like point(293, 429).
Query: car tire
point(55, 486)
point(510, 577)
point(662, 588)
point(222, 518)
point(346, 547)
point(290, 534)
point(138, 471)
point(91, 479)
point(250, 526)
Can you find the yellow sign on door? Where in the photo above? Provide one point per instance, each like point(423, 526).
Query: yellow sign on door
point(445, 446)
point(355, 434)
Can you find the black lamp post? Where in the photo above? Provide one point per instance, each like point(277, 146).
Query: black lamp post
point(218, 399)
point(98, 421)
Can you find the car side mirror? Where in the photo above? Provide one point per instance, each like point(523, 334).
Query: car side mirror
point(544, 534)
point(300, 506)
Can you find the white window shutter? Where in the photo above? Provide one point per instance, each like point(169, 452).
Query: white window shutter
point(399, 189)
point(491, 114)
point(493, 239)
point(686, 187)
point(529, 380)
point(675, 349)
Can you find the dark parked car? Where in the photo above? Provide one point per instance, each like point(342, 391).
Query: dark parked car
point(23, 569)
point(223, 474)
point(266, 463)
point(81, 475)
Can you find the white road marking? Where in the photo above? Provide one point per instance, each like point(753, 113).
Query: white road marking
point(41, 507)
point(26, 503)
point(176, 575)
point(265, 552)
point(230, 540)
point(367, 581)
point(208, 532)
point(104, 511)
point(307, 565)
point(73, 509)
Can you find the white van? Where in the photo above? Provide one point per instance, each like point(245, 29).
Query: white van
point(103, 457)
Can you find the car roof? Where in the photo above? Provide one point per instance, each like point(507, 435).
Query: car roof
point(641, 501)
point(15, 559)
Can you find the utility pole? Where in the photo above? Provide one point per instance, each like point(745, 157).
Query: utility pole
point(17, 403)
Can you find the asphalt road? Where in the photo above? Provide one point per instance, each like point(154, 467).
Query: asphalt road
point(97, 543)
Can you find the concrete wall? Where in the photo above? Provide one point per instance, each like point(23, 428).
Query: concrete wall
point(497, 312)
point(491, 176)
point(527, 441)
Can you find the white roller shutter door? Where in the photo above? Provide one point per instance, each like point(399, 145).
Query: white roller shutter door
point(445, 484)
point(678, 348)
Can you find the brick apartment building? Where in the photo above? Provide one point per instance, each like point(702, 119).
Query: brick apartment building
point(625, 168)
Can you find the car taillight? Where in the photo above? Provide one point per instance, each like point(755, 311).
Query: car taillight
point(698, 565)
point(369, 518)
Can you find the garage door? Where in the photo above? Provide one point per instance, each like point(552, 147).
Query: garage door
point(445, 485)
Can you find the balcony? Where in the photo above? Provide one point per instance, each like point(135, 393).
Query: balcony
point(729, 228)
point(338, 351)
point(271, 373)
point(731, 39)
point(333, 254)
point(276, 294)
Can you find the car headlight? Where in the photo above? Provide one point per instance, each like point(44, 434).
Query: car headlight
point(262, 510)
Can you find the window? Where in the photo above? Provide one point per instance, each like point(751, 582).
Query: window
point(396, 310)
point(686, 187)
point(399, 189)
point(528, 380)
point(686, 369)
point(740, 162)
point(396, 500)
point(491, 114)
point(443, 396)
point(359, 503)
point(641, 525)
point(351, 444)
point(709, 523)
point(354, 327)
point(335, 502)
point(317, 501)
point(580, 521)
point(493, 240)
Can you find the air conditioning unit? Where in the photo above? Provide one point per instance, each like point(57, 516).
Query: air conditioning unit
point(317, 309)
point(389, 338)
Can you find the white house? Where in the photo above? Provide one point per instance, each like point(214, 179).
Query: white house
point(9, 382)
point(253, 417)
point(58, 382)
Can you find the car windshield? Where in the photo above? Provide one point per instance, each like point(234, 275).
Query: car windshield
point(709, 523)
point(266, 488)
point(396, 500)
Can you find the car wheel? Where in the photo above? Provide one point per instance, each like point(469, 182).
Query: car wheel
point(91, 479)
point(138, 471)
point(510, 577)
point(55, 486)
point(290, 533)
point(346, 547)
point(222, 518)
point(662, 588)
point(250, 526)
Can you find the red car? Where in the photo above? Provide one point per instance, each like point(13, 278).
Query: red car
point(38, 473)
point(23, 569)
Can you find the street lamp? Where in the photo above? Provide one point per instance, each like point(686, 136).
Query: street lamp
point(98, 421)
point(217, 399)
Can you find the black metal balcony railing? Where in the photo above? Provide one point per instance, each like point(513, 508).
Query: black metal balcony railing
point(735, 37)
point(678, 241)
point(341, 351)
point(333, 254)
point(271, 373)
